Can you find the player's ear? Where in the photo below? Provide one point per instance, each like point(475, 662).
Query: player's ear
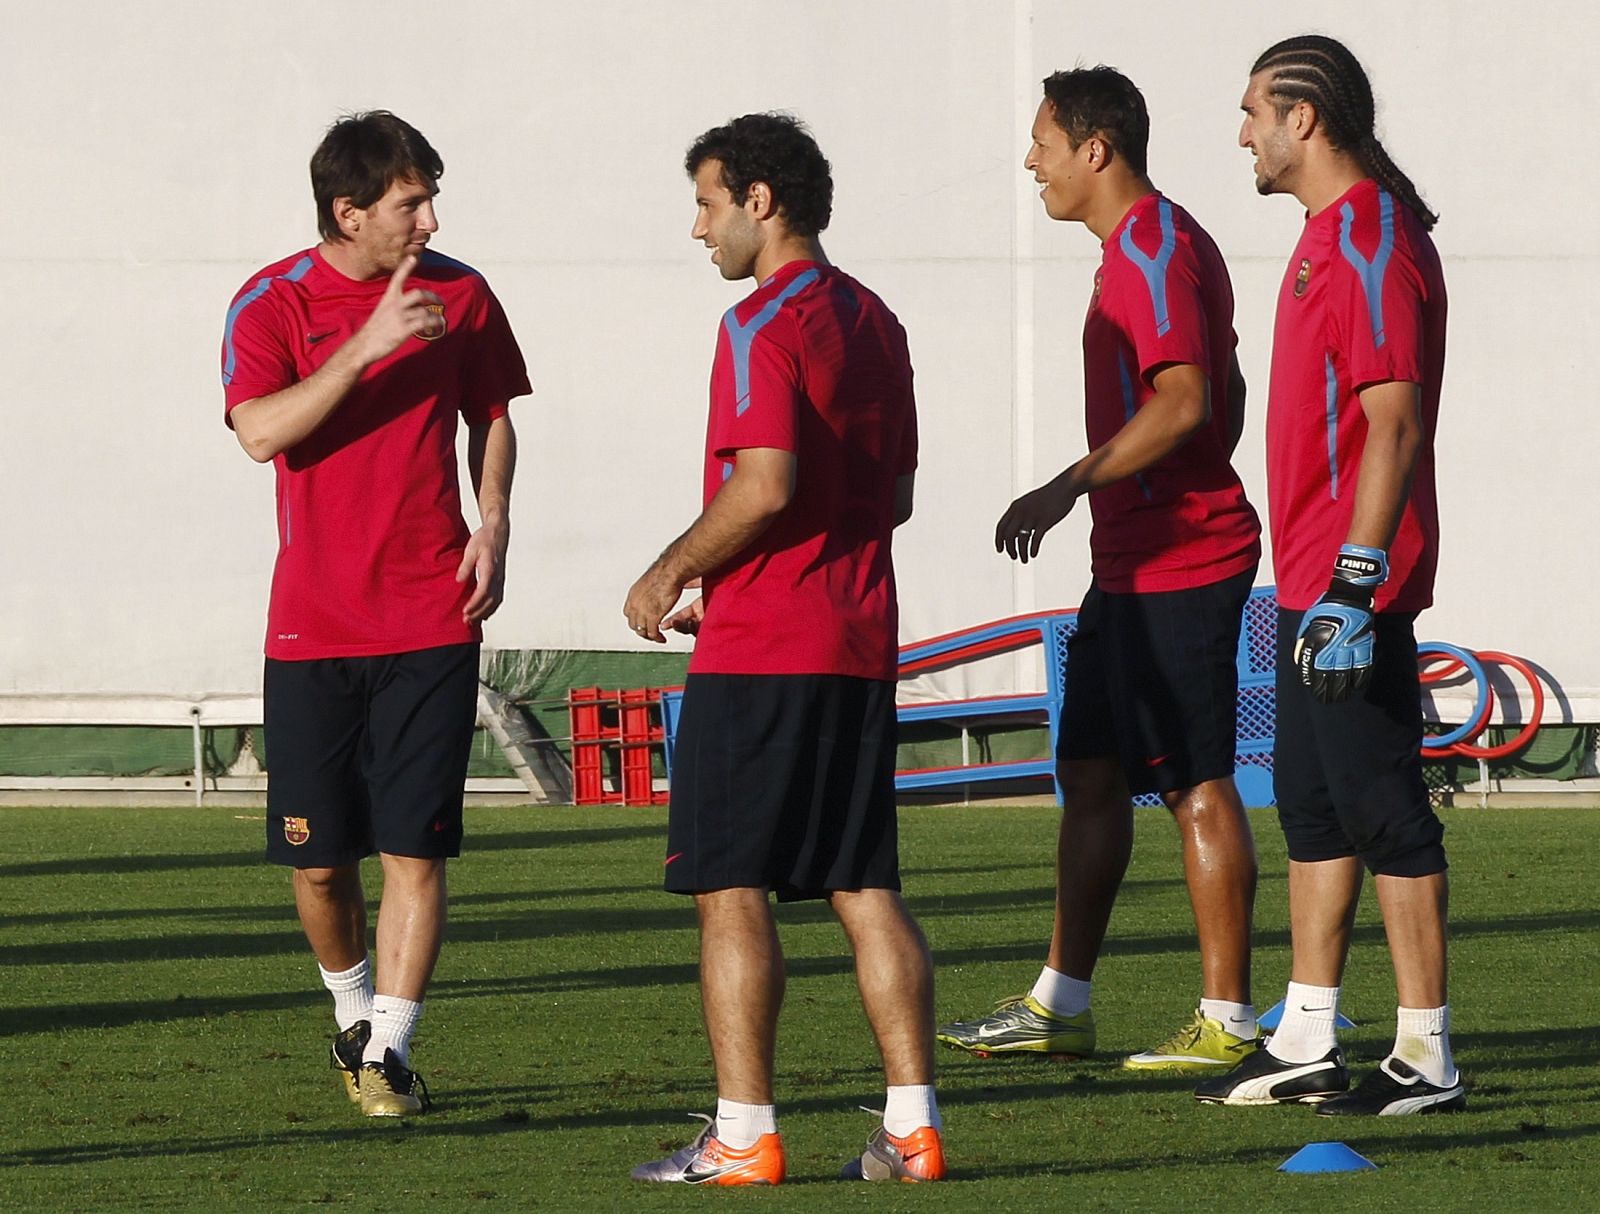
point(1304, 119)
point(758, 200)
point(1099, 153)
point(348, 216)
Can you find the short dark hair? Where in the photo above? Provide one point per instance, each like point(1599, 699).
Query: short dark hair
point(361, 156)
point(776, 149)
point(1100, 100)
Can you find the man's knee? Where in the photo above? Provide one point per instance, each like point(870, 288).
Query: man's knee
point(1092, 785)
point(327, 882)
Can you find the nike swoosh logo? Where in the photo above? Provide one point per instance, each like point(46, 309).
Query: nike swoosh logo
point(990, 1030)
point(1157, 762)
point(1304, 1008)
point(674, 856)
point(313, 338)
point(700, 1177)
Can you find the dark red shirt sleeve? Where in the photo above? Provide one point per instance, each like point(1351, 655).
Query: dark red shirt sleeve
point(768, 414)
point(907, 462)
point(493, 373)
point(256, 356)
point(1376, 312)
point(1180, 332)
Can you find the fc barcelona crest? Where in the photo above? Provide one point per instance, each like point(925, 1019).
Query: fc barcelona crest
point(1302, 278)
point(296, 830)
point(436, 323)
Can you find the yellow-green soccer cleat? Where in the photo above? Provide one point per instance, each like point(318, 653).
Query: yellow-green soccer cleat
point(1022, 1025)
point(1201, 1047)
point(391, 1089)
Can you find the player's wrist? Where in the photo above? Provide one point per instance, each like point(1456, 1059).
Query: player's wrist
point(1358, 571)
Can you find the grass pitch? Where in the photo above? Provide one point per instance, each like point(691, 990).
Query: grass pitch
point(163, 1036)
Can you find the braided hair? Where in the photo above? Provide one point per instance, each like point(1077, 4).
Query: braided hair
point(1322, 71)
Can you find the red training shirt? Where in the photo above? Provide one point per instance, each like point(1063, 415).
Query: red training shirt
point(1362, 303)
point(814, 363)
point(1161, 296)
point(370, 532)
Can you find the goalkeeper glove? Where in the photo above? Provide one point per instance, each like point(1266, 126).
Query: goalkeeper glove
point(1333, 649)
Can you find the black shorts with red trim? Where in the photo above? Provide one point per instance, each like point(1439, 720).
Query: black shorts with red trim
point(1348, 776)
point(783, 782)
point(368, 754)
point(1153, 681)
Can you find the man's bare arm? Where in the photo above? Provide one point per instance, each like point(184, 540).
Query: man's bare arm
point(1383, 480)
point(1180, 406)
point(1235, 417)
point(492, 462)
point(904, 497)
point(757, 491)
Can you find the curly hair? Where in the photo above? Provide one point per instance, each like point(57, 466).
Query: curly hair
point(1089, 101)
point(361, 156)
point(776, 149)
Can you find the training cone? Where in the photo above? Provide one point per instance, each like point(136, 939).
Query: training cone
point(1269, 1018)
point(1327, 1157)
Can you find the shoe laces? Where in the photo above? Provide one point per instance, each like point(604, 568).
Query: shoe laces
point(1184, 1037)
point(417, 1087)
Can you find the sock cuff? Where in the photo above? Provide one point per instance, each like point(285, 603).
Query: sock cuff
point(908, 1107)
point(355, 976)
point(1062, 994)
point(1423, 1020)
point(1224, 1010)
point(1315, 996)
point(396, 1006)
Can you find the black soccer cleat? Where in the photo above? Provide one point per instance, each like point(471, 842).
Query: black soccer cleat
point(1395, 1089)
point(345, 1056)
point(1263, 1079)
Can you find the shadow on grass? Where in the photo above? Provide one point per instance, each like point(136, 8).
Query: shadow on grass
point(564, 836)
point(84, 866)
point(530, 840)
point(1383, 1145)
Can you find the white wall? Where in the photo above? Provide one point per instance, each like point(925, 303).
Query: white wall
point(155, 155)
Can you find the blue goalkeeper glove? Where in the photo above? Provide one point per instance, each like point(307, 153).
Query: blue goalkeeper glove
point(1333, 649)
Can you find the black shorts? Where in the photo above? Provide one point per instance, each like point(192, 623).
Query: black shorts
point(783, 782)
point(1348, 776)
point(1153, 681)
point(368, 754)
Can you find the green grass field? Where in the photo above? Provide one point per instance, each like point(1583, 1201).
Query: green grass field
point(163, 1035)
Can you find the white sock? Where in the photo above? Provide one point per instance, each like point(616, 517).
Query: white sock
point(1238, 1018)
point(1423, 1041)
point(909, 1107)
point(352, 993)
point(1306, 1032)
point(741, 1126)
point(1060, 994)
point(393, 1021)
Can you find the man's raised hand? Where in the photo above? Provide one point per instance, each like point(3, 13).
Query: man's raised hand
point(400, 314)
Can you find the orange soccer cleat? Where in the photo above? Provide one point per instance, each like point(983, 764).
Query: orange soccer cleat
point(916, 1158)
point(707, 1160)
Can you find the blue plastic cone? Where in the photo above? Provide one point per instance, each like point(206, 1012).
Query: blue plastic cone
point(1327, 1157)
point(1269, 1018)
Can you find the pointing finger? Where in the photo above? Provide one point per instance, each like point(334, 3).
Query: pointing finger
point(397, 280)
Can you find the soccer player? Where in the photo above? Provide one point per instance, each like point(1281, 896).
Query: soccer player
point(347, 365)
point(1357, 359)
point(1152, 676)
point(783, 772)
